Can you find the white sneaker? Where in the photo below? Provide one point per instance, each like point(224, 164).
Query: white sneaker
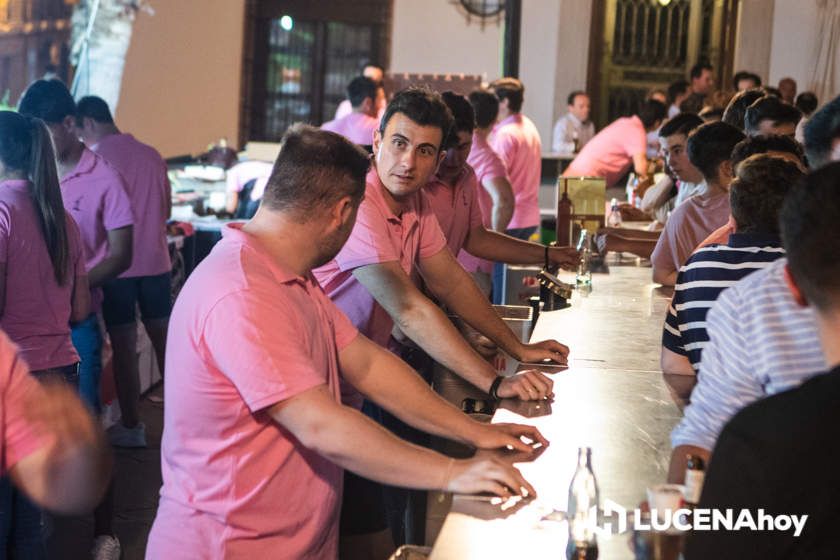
point(106, 548)
point(120, 436)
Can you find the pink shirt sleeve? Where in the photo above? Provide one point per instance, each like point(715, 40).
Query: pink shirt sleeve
point(432, 240)
point(345, 332)
point(19, 437)
point(370, 242)
point(503, 145)
point(117, 210)
point(259, 354)
point(664, 255)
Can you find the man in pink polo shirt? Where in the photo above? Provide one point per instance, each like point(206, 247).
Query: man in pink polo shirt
point(359, 125)
point(495, 195)
point(517, 142)
point(252, 456)
point(377, 74)
point(452, 194)
point(620, 147)
point(50, 445)
point(94, 194)
point(147, 282)
point(245, 185)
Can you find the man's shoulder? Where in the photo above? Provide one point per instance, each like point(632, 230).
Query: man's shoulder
point(788, 416)
point(768, 280)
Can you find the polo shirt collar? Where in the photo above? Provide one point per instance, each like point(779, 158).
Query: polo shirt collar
point(374, 192)
point(232, 233)
point(86, 164)
point(754, 240)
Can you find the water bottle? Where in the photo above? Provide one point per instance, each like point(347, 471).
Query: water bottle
point(584, 272)
point(614, 219)
point(583, 510)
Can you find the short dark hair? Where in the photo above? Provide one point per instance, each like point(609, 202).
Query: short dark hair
point(370, 64)
point(510, 89)
point(680, 124)
point(742, 75)
point(812, 238)
point(570, 100)
point(676, 89)
point(752, 145)
point(711, 114)
point(697, 69)
point(651, 111)
point(820, 132)
point(48, 100)
point(806, 102)
point(769, 108)
point(772, 91)
point(315, 169)
point(486, 107)
point(423, 106)
point(95, 108)
point(737, 107)
point(758, 191)
point(710, 145)
point(462, 111)
point(359, 89)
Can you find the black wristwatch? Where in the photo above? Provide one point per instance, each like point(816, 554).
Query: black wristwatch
point(494, 388)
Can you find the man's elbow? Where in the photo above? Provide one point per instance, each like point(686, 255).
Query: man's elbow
point(664, 277)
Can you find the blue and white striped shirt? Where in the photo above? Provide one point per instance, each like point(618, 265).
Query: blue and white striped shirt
point(761, 343)
point(708, 272)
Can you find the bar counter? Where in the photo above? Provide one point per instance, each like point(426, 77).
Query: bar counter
point(612, 399)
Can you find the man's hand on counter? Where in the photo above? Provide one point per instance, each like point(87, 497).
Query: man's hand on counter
point(541, 351)
point(529, 385)
point(564, 257)
point(503, 436)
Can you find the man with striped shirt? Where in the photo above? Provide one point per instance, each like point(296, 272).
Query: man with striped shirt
point(756, 196)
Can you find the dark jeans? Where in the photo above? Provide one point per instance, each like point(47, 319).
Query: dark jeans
point(499, 268)
point(21, 521)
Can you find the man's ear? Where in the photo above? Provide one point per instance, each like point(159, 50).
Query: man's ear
point(69, 124)
point(797, 294)
point(726, 169)
point(377, 143)
point(835, 150)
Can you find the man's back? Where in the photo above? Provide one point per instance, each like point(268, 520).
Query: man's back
point(147, 185)
point(761, 343)
point(517, 142)
point(779, 455)
point(356, 127)
point(610, 153)
point(246, 334)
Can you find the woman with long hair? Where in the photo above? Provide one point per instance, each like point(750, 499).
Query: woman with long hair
point(43, 288)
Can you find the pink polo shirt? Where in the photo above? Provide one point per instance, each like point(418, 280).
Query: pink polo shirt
point(689, 224)
point(94, 193)
point(487, 166)
point(246, 334)
point(517, 142)
point(356, 127)
point(36, 311)
point(147, 186)
point(455, 207)
point(243, 172)
point(610, 153)
point(18, 437)
point(380, 236)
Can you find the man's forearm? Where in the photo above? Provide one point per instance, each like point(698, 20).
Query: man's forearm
point(467, 301)
point(107, 270)
point(405, 395)
point(427, 326)
point(495, 246)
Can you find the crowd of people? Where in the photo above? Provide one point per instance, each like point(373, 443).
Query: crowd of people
point(297, 356)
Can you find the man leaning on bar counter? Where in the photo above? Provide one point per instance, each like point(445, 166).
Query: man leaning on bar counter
point(252, 456)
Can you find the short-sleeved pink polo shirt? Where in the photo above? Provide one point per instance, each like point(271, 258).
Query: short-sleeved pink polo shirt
point(517, 142)
point(94, 193)
point(487, 166)
point(356, 127)
point(610, 153)
point(18, 437)
point(380, 236)
point(147, 186)
point(36, 313)
point(243, 172)
point(455, 207)
point(246, 334)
